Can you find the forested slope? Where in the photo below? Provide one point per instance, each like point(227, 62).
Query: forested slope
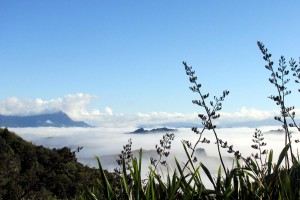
point(37, 172)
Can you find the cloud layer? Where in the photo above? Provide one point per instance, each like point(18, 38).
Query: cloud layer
point(77, 106)
point(109, 141)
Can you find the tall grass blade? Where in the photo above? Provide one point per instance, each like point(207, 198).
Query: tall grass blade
point(270, 162)
point(282, 156)
point(208, 175)
point(107, 187)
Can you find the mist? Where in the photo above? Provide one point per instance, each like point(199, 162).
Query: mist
point(106, 143)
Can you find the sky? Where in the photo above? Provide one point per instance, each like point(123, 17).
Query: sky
point(110, 62)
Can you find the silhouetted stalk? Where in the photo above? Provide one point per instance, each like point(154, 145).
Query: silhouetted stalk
point(196, 144)
point(284, 112)
point(219, 151)
point(207, 120)
point(163, 150)
point(258, 141)
point(282, 92)
point(296, 69)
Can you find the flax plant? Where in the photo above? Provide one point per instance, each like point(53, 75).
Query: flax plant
point(257, 177)
point(280, 80)
point(209, 116)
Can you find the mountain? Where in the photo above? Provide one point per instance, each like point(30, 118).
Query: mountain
point(58, 119)
point(155, 130)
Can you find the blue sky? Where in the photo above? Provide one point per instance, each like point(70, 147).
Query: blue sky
point(127, 55)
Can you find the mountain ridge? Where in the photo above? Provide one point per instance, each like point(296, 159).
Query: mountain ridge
point(57, 119)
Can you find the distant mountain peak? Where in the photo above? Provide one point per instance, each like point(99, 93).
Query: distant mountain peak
point(56, 119)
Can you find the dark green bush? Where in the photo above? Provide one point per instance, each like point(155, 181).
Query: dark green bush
point(35, 172)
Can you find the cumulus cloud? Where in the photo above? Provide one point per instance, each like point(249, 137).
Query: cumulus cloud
point(109, 111)
point(250, 114)
point(78, 107)
point(75, 105)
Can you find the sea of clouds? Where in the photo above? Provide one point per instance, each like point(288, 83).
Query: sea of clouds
point(106, 143)
point(111, 131)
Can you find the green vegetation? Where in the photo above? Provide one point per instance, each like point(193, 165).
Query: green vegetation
point(257, 176)
point(35, 172)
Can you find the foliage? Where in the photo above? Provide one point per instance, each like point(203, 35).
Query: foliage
point(257, 176)
point(36, 172)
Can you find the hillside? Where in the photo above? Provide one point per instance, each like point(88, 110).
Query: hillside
point(36, 172)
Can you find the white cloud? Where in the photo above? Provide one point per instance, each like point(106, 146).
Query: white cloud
point(107, 141)
point(250, 114)
point(247, 114)
point(77, 106)
point(109, 111)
